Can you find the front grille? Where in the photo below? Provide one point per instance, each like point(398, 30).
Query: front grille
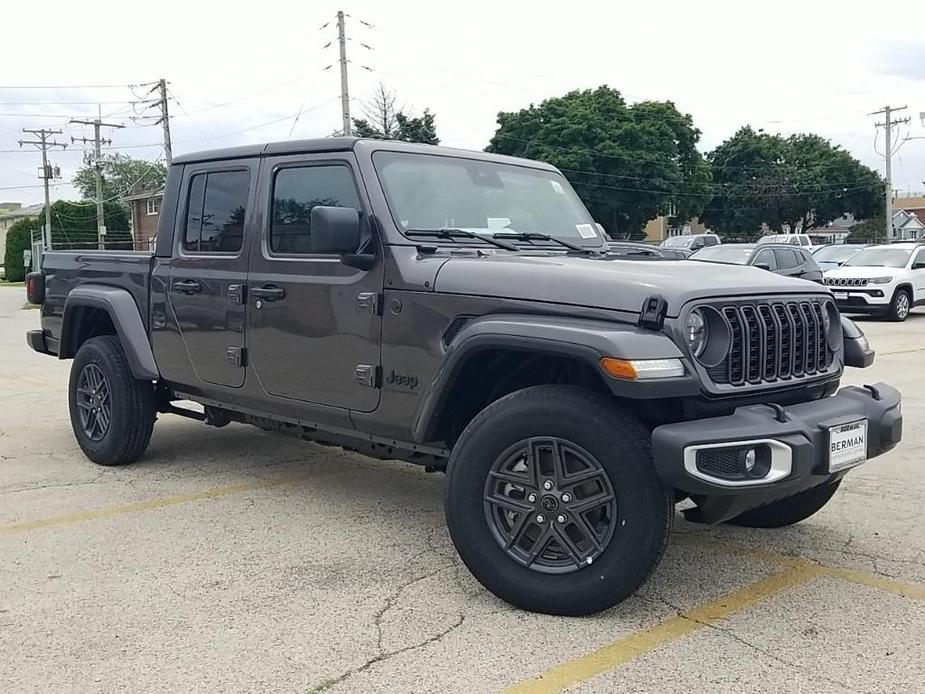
point(773, 341)
point(846, 281)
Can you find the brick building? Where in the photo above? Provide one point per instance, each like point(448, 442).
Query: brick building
point(145, 206)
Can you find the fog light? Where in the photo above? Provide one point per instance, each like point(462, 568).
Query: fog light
point(749, 459)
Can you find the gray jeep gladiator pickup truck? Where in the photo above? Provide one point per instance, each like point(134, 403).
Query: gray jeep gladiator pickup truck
point(460, 310)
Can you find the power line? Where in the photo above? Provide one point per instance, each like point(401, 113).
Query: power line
point(888, 152)
point(97, 163)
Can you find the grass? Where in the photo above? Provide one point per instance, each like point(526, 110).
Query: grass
point(29, 306)
point(4, 283)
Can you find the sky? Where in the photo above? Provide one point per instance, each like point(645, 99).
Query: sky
point(241, 73)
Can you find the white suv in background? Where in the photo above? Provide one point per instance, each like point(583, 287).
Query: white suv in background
point(789, 239)
point(883, 280)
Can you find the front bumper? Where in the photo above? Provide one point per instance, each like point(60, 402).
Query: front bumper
point(799, 433)
point(862, 301)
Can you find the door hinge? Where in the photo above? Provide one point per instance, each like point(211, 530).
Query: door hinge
point(369, 375)
point(236, 294)
point(369, 301)
point(236, 355)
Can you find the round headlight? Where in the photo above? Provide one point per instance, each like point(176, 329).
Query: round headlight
point(696, 332)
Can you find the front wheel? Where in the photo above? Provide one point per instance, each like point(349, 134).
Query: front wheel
point(788, 511)
point(553, 503)
point(112, 412)
point(900, 306)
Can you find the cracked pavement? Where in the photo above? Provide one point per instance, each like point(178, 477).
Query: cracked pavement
point(289, 567)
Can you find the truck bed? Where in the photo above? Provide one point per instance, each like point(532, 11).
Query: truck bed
point(64, 270)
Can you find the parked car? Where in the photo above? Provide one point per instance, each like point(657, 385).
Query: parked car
point(835, 255)
point(644, 250)
point(2, 272)
point(779, 259)
point(314, 287)
point(886, 280)
point(691, 242)
point(788, 239)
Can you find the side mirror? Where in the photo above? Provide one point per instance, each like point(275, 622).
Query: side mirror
point(335, 230)
point(763, 266)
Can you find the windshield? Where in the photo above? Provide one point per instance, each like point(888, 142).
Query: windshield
point(835, 254)
point(780, 238)
point(881, 257)
point(677, 241)
point(724, 254)
point(427, 192)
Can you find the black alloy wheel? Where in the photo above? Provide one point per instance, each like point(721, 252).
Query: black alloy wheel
point(550, 505)
point(94, 402)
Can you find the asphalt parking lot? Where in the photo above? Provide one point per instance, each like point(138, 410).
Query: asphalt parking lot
point(238, 561)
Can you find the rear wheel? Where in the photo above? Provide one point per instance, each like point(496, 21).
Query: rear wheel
point(900, 306)
point(788, 511)
point(553, 503)
point(112, 412)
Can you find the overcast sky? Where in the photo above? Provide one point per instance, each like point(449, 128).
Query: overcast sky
point(240, 72)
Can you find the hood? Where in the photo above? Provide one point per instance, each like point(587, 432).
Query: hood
point(867, 271)
point(609, 282)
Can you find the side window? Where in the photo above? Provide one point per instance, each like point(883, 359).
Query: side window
point(296, 191)
point(807, 259)
point(710, 240)
point(766, 257)
point(215, 212)
point(786, 258)
point(919, 262)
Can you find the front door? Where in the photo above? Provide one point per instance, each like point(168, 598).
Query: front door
point(205, 288)
point(313, 325)
point(918, 275)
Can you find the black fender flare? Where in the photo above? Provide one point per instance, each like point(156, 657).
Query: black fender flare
point(586, 339)
point(125, 316)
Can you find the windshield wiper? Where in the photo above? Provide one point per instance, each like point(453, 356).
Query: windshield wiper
point(536, 236)
point(448, 233)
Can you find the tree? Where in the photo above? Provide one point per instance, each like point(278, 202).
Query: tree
point(73, 225)
point(19, 239)
point(627, 163)
point(798, 182)
point(384, 121)
point(120, 174)
point(866, 232)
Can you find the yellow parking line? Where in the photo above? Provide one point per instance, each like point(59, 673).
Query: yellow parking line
point(629, 647)
point(137, 507)
point(915, 591)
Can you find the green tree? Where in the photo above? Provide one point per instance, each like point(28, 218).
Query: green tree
point(628, 163)
point(386, 121)
point(120, 174)
point(867, 231)
point(73, 225)
point(19, 239)
point(801, 182)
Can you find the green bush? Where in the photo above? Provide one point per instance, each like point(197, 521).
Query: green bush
point(18, 239)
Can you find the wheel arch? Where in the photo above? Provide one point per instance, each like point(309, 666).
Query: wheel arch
point(92, 310)
point(495, 355)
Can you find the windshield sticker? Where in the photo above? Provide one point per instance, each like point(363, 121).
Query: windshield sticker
point(556, 186)
point(498, 223)
point(585, 231)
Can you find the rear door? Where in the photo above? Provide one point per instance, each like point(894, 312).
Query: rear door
point(313, 322)
point(788, 263)
point(208, 268)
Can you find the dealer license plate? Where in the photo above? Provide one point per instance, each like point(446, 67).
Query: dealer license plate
point(847, 445)
point(840, 295)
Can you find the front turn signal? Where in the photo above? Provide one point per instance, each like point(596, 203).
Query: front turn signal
point(642, 369)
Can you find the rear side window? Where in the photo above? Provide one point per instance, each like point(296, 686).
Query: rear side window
point(296, 191)
point(786, 258)
point(710, 240)
point(808, 260)
point(215, 212)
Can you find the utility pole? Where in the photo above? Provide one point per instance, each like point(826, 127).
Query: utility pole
point(165, 119)
point(344, 94)
point(98, 166)
point(887, 125)
point(48, 172)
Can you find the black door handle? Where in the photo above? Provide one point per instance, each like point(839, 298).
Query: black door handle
point(268, 292)
point(187, 286)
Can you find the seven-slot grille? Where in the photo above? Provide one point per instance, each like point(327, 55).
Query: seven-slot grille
point(773, 341)
point(846, 281)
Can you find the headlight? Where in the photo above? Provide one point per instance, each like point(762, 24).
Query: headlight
point(880, 280)
point(696, 332)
